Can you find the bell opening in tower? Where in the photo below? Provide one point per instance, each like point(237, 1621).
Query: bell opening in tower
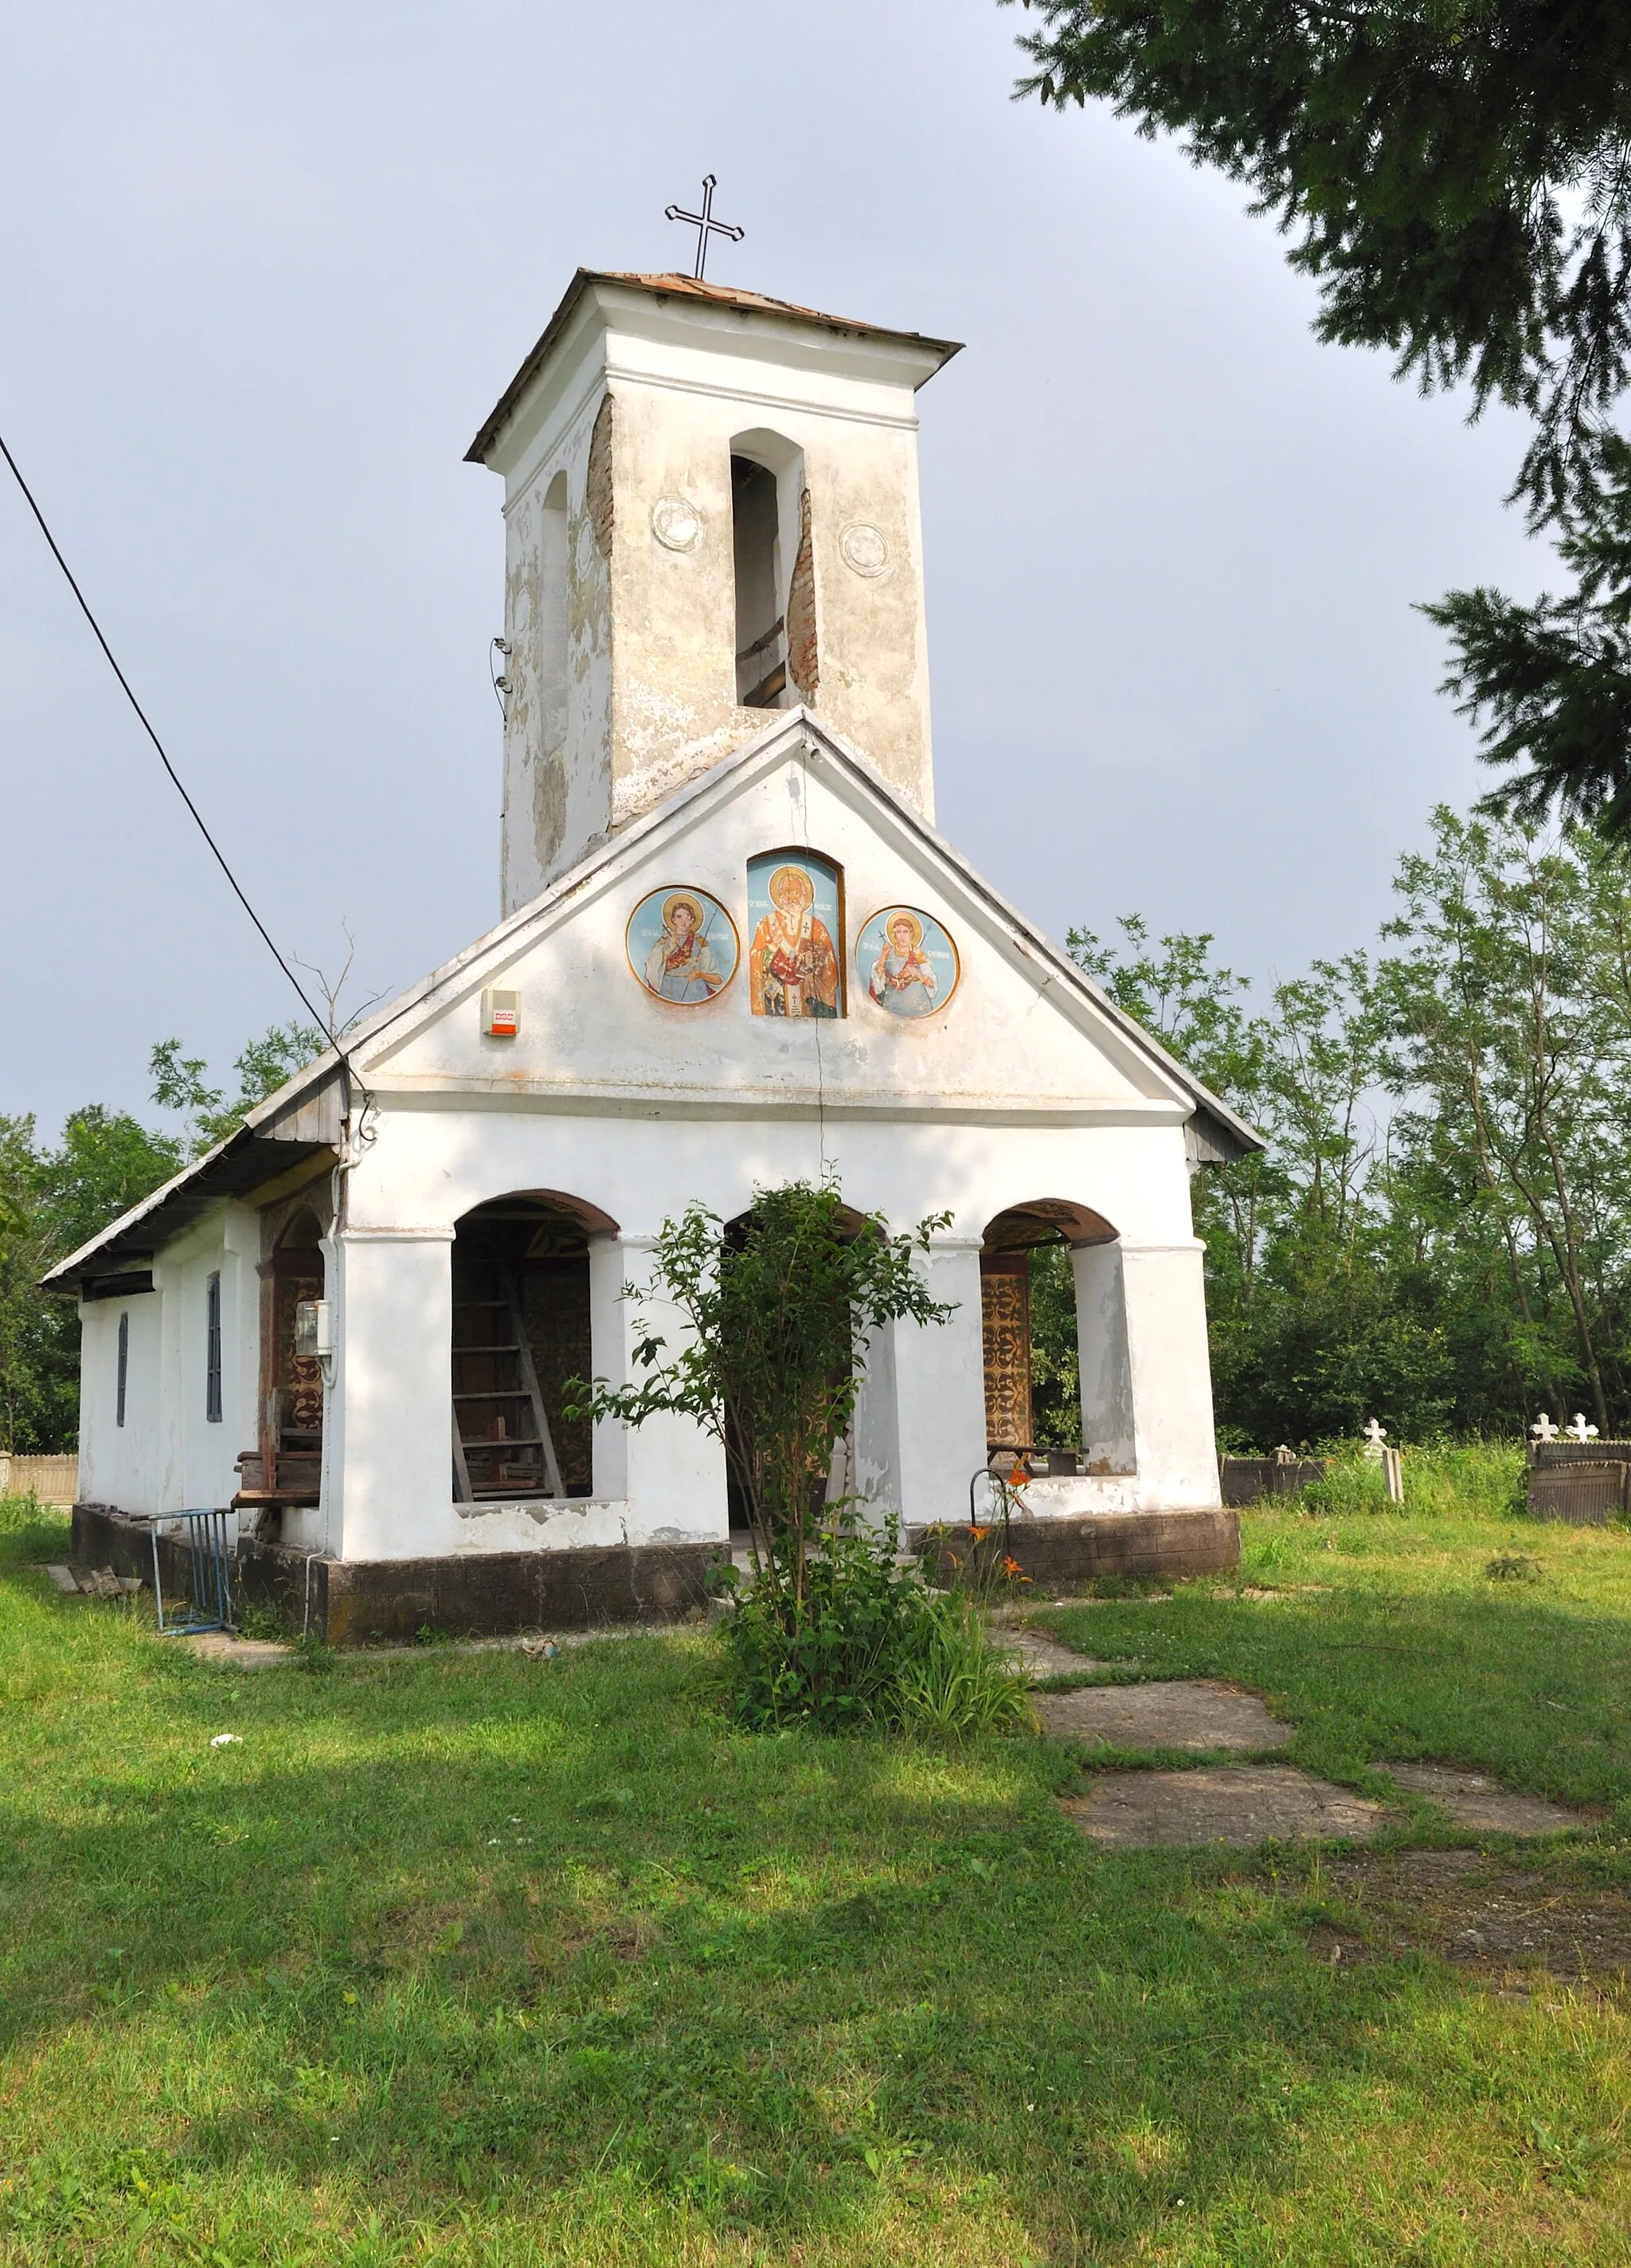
point(760, 623)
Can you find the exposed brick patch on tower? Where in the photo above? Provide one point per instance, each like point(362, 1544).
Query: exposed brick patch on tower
point(803, 658)
point(598, 487)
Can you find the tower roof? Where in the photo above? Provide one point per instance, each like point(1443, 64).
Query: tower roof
point(687, 287)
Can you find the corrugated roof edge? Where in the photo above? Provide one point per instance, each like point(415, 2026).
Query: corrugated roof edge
point(667, 287)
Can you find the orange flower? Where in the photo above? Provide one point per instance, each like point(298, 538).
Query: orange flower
point(980, 1534)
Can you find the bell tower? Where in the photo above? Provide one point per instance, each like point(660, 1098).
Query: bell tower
point(711, 511)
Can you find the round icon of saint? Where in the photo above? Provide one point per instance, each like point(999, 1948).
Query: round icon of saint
point(682, 946)
point(907, 960)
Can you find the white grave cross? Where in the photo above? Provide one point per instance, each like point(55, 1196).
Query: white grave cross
point(1580, 1431)
point(1374, 1435)
point(1543, 1429)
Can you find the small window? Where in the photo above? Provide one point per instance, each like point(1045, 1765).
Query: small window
point(124, 1365)
point(212, 1351)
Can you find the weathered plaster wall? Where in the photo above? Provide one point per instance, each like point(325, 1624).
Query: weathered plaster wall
point(632, 422)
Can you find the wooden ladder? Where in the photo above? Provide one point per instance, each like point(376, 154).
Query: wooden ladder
point(525, 1395)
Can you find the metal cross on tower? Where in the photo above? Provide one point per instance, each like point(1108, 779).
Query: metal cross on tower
point(703, 222)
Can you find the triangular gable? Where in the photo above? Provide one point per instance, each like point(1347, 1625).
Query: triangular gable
point(1028, 1031)
point(1049, 1043)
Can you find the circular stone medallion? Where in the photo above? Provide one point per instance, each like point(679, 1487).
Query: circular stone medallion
point(864, 549)
point(676, 523)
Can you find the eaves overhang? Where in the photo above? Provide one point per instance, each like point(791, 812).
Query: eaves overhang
point(303, 1120)
point(687, 287)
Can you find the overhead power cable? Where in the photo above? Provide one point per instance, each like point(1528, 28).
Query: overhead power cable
point(215, 850)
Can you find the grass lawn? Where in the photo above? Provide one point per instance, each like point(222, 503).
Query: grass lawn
point(455, 1957)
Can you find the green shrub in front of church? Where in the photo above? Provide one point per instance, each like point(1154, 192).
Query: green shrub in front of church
point(866, 1643)
point(776, 1308)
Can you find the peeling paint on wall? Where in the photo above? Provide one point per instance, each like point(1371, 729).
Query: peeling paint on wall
point(549, 807)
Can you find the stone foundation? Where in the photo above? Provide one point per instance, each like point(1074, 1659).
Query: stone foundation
point(492, 1594)
point(1060, 1555)
point(102, 1537)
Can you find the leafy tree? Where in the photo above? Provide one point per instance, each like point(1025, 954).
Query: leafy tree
point(776, 1309)
point(1055, 1360)
point(264, 1066)
point(1440, 1231)
point(55, 1199)
point(51, 1202)
point(1511, 1029)
point(1455, 176)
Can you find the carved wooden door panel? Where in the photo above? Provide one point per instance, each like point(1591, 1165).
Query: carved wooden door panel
point(1005, 1319)
point(291, 1440)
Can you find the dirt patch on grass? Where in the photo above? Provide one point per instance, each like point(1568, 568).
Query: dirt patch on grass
point(1481, 1913)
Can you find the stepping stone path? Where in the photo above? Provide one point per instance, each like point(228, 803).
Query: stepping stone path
point(1473, 1801)
point(1174, 1713)
point(1042, 1657)
point(1229, 1803)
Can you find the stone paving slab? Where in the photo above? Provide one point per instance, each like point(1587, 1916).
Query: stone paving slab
point(1041, 1657)
point(1190, 1713)
point(62, 1578)
point(233, 1651)
point(1473, 1799)
point(1241, 1804)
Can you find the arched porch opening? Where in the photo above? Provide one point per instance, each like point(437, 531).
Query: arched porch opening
point(1031, 1328)
point(521, 1329)
point(855, 1457)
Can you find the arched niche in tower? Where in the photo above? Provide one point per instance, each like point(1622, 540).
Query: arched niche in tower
point(555, 615)
point(777, 658)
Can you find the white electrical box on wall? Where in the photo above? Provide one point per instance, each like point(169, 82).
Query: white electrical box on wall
point(501, 1013)
point(315, 1329)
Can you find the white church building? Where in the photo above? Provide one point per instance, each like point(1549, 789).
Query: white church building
point(732, 951)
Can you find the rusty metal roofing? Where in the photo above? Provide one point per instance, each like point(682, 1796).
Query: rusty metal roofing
point(682, 287)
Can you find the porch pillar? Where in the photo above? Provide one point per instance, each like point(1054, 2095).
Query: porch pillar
point(940, 1390)
point(1169, 1375)
point(1107, 1432)
point(389, 1418)
point(671, 1472)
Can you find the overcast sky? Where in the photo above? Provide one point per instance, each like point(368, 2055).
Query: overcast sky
point(266, 268)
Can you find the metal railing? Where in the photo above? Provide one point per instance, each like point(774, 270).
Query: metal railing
point(208, 1605)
